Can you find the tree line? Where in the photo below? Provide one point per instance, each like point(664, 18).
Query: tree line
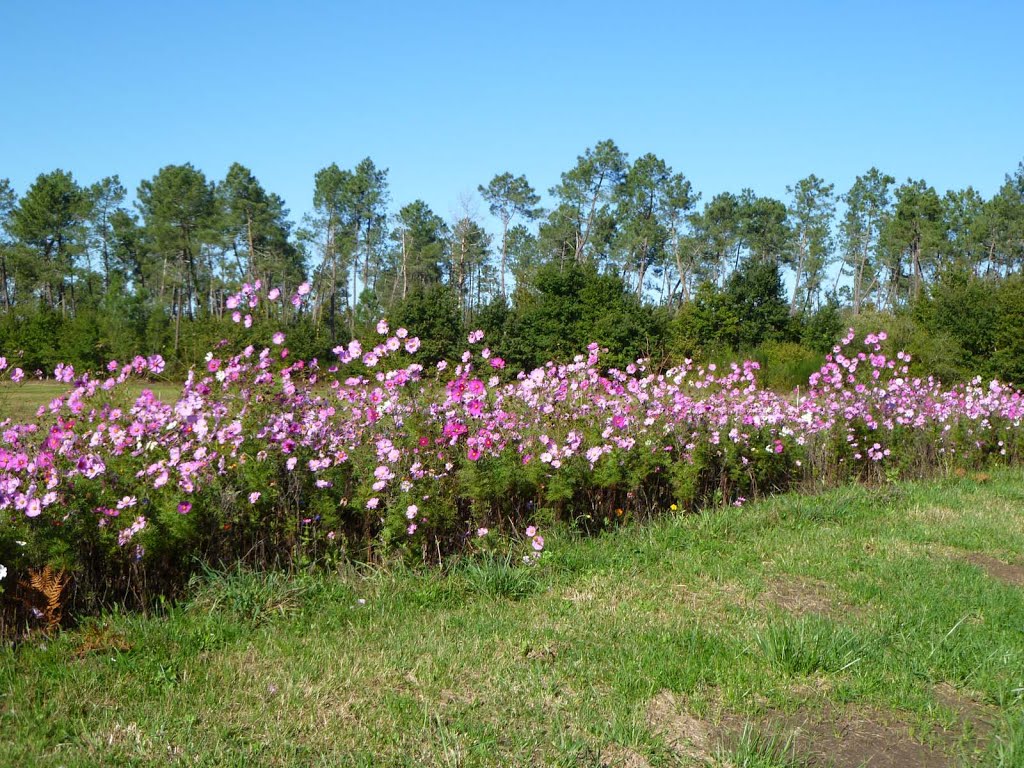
point(628, 253)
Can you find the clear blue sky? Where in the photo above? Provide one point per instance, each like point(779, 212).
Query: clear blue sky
point(447, 94)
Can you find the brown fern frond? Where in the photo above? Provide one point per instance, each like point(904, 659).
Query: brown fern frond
point(50, 584)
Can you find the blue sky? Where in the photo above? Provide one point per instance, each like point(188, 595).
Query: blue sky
point(448, 94)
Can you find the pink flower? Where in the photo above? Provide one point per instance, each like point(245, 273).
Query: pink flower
point(274, 294)
point(531, 531)
point(481, 532)
point(184, 507)
point(538, 543)
point(411, 511)
point(254, 497)
point(382, 327)
point(278, 338)
point(303, 289)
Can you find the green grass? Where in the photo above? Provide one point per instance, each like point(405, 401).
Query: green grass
point(20, 402)
point(859, 600)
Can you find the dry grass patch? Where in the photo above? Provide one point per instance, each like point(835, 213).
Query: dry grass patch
point(805, 596)
point(617, 756)
point(691, 737)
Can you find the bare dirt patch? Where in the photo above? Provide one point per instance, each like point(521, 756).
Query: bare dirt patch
point(967, 709)
point(1007, 573)
point(852, 736)
point(820, 734)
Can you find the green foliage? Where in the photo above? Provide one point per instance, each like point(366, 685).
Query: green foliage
point(750, 310)
point(820, 330)
point(500, 576)
point(810, 644)
point(576, 305)
point(785, 364)
point(84, 279)
point(1007, 335)
point(432, 313)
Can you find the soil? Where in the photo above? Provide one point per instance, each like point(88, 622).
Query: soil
point(820, 734)
point(997, 569)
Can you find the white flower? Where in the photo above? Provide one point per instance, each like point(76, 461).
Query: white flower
point(3, 572)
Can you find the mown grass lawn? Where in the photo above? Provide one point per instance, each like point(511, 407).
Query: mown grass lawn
point(19, 402)
point(866, 626)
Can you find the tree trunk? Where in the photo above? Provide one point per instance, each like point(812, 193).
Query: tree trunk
point(252, 247)
point(799, 271)
point(504, 250)
point(405, 267)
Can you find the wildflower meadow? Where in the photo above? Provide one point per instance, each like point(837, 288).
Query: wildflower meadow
point(374, 453)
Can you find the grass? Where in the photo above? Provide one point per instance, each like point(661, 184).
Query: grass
point(20, 402)
point(614, 650)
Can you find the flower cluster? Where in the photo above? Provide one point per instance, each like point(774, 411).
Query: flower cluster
point(374, 446)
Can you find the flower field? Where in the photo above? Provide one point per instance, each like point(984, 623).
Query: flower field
point(269, 460)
